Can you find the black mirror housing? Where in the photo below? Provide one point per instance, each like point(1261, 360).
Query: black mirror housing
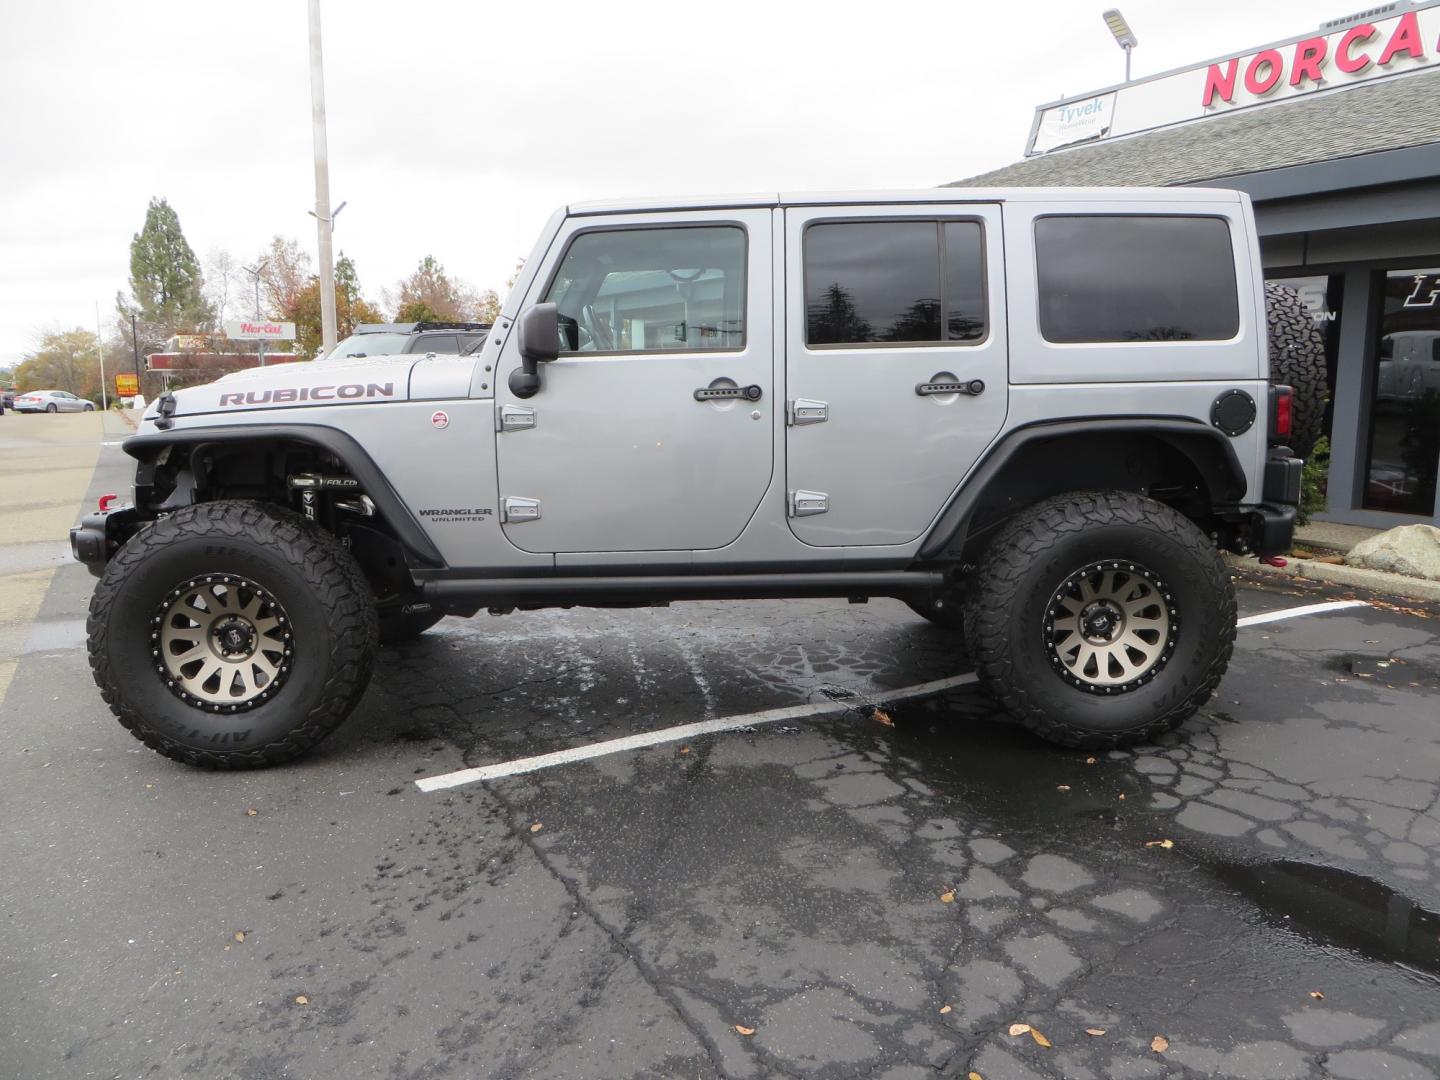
point(539, 334)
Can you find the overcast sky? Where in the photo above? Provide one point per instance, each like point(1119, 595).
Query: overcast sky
point(456, 128)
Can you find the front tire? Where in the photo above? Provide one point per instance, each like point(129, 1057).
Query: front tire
point(1101, 619)
point(52, 407)
point(232, 635)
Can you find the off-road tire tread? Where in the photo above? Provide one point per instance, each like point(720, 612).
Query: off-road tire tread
point(333, 575)
point(997, 584)
point(1297, 360)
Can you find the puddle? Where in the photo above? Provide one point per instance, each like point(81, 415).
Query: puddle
point(1336, 907)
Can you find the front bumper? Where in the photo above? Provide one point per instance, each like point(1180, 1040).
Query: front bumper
point(98, 536)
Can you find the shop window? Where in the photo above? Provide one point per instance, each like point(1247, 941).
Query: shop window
point(1116, 278)
point(894, 282)
point(1405, 414)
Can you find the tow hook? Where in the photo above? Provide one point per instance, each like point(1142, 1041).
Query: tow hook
point(1275, 560)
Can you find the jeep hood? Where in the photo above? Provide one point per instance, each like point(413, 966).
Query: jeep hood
point(354, 381)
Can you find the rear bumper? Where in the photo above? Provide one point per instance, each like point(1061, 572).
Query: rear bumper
point(98, 536)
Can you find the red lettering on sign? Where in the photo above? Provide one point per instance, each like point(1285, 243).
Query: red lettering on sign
point(1274, 66)
point(1308, 56)
point(1347, 62)
point(1406, 39)
point(1222, 83)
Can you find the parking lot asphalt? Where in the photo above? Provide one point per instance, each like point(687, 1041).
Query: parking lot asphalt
point(856, 893)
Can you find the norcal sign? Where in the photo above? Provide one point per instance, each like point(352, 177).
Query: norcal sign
point(259, 330)
point(1396, 38)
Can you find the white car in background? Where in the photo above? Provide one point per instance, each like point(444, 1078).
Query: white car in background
point(51, 401)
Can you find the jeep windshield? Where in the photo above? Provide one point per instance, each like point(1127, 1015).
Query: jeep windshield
point(369, 345)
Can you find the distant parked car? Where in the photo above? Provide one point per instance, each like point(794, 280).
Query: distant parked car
point(51, 401)
point(395, 339)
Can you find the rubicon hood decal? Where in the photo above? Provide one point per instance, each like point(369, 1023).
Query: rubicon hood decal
point(331, 392)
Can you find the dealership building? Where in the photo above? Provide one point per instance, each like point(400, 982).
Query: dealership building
point(1335, 134)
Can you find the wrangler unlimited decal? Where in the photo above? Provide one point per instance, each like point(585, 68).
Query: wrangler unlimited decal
point(348, 391)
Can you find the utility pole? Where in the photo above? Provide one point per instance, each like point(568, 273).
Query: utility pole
point(135, 344)
point(323, 216)
point(100, 351)
point(256, 272)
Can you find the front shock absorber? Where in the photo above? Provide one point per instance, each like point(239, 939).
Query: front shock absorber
point(310, 485)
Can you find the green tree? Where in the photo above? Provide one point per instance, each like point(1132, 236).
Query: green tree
point(351, 308)
point(166, 285)
point(431, 294)
point(65, 360)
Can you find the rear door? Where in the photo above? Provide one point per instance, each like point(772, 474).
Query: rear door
point(896, 357)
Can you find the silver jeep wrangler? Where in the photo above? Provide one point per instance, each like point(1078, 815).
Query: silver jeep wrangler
point(1035, 416)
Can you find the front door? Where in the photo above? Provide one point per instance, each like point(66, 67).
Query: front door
point(653, 430)
point(896, 364)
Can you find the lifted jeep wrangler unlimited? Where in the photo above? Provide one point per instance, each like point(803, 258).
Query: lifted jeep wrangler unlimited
point(1034, 415)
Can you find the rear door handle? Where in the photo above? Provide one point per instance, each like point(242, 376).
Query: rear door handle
point(973, 387)
point(720, 393)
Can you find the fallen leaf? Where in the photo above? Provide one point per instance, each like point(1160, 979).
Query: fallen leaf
point(1317, 995)
point(1089, 761)
point(1019, 1029)
point(1062, 787)
point(741, 1029)
point(239, 935)
point(1159, 1044)
point(944, 1009)
point(1167, 844)
point(227, 948)
point(301, 999)
point(1122, 795)
point(948, 896)
point(1094, 1031)
point(251, 812)
point(537, 826)
point(883, 717)
point(1041, 1039)
point(149, 786)
point(974, 1076)
point(684, 749)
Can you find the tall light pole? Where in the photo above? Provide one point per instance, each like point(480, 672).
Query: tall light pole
point(1124, 36)
point(256, 272)
point(324, 219)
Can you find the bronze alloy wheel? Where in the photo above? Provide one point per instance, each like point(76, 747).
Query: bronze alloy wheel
point(221, 643)
point(1110, 627)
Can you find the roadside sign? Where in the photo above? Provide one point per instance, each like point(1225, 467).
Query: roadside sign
point(259, 330)
point(127, 384)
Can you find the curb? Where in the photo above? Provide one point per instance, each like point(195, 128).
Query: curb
point(1339, 574)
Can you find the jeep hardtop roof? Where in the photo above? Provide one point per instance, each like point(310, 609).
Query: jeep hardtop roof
point(1178, 195)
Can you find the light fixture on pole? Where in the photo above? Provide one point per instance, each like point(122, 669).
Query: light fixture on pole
point(1124, 36)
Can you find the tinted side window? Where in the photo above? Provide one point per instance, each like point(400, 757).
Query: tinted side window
point(886, 281)
point(1135, 278)
point(436, 343)
point(671, 290)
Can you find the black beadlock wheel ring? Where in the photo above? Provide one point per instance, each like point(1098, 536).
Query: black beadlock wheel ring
point(1110, 627)
point(221, 643)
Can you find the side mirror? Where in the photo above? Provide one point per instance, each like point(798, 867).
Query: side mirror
point(538, 336)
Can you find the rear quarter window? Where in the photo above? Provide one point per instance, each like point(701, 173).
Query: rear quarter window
point(1126, 278)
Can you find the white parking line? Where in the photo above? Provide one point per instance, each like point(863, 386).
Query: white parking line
point(1295, 612)
point(682, 732)
point(769, 716)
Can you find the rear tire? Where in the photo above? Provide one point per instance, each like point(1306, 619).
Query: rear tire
point(1147, 595)
point(89, 407)
point(284, 595)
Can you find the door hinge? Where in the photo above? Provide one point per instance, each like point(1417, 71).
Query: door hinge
point(515, 418)
point(806, 503)
point(514, 510)
point(801, 411)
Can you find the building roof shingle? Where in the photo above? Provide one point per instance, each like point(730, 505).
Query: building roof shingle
point(1387, 115)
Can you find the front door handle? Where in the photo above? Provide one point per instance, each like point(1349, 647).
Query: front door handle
point(973, 387)
point(721, 393)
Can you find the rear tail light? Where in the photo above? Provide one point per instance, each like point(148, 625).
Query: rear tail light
point(1281, 398)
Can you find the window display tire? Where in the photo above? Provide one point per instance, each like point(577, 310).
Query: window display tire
point(1297, 360)
point(398, 626)
point(1009, 617)
point(285, 571)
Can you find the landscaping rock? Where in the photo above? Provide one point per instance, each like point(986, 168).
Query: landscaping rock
point(1413, 550)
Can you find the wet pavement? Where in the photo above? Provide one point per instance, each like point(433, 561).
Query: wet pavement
point(866, 894)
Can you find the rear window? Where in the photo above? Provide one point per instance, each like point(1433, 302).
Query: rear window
point(1112, 278)
point(894, 282)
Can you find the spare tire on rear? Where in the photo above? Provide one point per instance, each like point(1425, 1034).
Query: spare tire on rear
point(1297, 360)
